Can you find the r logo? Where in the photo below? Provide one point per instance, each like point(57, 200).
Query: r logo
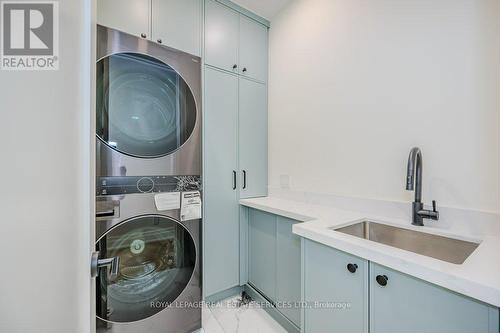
point(28, 29)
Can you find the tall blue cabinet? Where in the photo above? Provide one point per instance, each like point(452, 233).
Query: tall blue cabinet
point(235, 134)
point(221, 264)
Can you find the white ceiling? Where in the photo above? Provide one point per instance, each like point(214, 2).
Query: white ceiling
point(265, 8)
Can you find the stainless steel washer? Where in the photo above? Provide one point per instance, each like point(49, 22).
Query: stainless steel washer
point(158, 285)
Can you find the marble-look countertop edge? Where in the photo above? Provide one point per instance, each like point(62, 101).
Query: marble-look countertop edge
point(467, 279)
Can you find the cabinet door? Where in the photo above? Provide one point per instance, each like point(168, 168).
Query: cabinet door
point(130, 16)
point(221, 220)
point(253, 138)
point(262, 252)
point(177, 23)
point(406, 304)
point(288, 270)
point(253, 49)
point(221, 36)
point(338, 298)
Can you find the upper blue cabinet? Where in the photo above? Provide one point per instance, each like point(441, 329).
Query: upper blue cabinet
point(253, 51)
point(174, 23)
point(221, 36)
point(131, 16)
point(178, 24)
point(235, 42)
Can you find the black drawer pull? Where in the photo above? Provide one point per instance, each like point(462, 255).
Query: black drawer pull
point(382, 280)
point(352, 268)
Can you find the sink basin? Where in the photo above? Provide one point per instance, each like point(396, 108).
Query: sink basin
point(443, 248)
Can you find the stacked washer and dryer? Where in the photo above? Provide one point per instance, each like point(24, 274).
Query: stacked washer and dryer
point(148, 134)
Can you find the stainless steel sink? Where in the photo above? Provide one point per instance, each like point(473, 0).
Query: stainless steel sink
point(447, 249)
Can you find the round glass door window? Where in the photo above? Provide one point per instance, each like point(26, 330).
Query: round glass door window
point(144, 108)
point(157, 260)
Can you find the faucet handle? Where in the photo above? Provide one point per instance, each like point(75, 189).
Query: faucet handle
point(434, 214)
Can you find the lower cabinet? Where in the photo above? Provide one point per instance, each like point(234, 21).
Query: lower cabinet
point(401, 303)
point(274, 259)
point(288, 269)
point(262, 252)
point(335, 290)
point(343, 293)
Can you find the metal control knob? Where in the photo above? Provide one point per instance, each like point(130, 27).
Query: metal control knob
point(143, 35)
point(352, 268)
point(382, 280)
point(145, 185)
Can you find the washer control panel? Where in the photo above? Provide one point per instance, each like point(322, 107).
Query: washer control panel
point(146, 184)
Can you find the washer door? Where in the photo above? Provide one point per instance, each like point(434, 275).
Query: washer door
point(144, 107)
point(157, 260)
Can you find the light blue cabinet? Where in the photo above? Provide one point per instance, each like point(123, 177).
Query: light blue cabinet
point(406, 304)
point(274, 256)
point(253, 138)
point(253, 50)
point(235, 155)
point(131, 16)
point(235, 42)
point(336, 298)
point(174, 23)
point(221, 36)
point(372, 298)
point(262, 252)
point(221, 210)
point(288, 257)
point(178, 24)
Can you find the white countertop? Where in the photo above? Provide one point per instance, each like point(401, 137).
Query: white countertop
point(478, 277)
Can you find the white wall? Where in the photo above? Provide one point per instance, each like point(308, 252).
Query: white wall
point(354, 84)
point(45, 135)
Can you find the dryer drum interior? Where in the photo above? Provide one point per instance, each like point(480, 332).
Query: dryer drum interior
point(157, 259)
point(144, 107)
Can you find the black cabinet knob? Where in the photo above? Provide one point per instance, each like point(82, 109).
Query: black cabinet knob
point(352, 268)
point(143, 35)
point(382, 280)
point(235, 66)
point(159, 41)
point(244, 69)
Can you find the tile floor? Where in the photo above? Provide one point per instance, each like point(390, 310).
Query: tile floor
point(227, 317)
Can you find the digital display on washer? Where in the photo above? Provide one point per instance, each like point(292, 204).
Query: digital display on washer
point(146, 184)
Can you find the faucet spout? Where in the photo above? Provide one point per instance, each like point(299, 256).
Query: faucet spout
point(414, 182)
point(414, 173)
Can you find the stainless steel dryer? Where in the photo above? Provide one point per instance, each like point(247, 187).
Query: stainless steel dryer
point(156, 285)
point(148, 108)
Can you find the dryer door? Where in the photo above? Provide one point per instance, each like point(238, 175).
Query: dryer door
point(157, 260)
point(144, 107)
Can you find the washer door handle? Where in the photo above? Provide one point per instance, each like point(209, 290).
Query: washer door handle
point(96, 264)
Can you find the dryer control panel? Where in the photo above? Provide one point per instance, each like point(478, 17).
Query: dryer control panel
point(146, 184)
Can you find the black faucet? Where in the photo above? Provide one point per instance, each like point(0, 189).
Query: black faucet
point(415, 171)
